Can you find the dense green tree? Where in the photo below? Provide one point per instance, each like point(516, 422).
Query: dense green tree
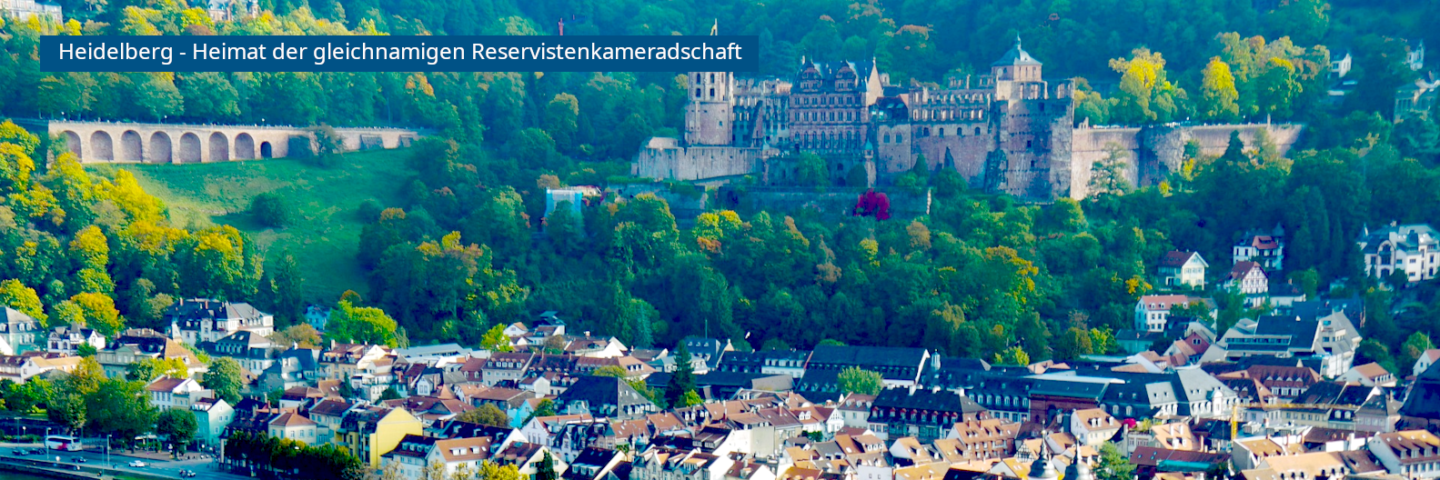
point(485, 414)
point(1113, 464)
point(810, 170)
point(1218, 95)
point(209, 96)
point(271, 210)
point(178, 426)
point(682, 380)
point(856, 380)
point(226, 377)
point(16, 295)
point(371, 325)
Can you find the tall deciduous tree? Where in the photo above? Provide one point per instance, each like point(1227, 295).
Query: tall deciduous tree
point(99, 313)
point(1218, 95)
point(16, 295)
point(179, 426)
point(361, 325)
point(485, 414)
point(226, 378)
point(861, 381)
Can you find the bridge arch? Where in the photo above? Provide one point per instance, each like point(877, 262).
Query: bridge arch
point(101, 146)
point(190, 151)
point(219, 147)
point(266, 151)
point(72, 141)
point(244, 147)
point(132, 148)
point(160, 148)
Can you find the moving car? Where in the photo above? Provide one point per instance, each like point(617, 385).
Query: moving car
point(19, 453)
point(187, 474)
point(137, 464)
point(77, 459)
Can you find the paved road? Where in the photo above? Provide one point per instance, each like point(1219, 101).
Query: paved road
point(94, 460)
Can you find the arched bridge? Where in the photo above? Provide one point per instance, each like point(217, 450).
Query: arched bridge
point(102, 142)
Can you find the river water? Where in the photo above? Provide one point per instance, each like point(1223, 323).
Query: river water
point(20, 476)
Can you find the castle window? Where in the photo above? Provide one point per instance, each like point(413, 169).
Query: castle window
point(712, 77)
point(887, 138)
point(942, 132)
point(977, 130)
point(1027, 144)
point(712, 92)
point(697, 93)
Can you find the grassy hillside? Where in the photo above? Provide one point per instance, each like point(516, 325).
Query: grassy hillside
point(326, 233)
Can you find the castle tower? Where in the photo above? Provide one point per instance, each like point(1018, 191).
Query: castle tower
point(1015, 67)
point(710, 111)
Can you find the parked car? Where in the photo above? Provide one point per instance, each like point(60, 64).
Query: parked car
point(19, 453)
point(77, 459)
point(137, 464)
point(187, 474)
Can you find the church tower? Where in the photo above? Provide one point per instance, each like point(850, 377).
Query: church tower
point(1041, 468)
point(709, 113)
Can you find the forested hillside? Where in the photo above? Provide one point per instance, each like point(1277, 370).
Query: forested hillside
point(983, 276)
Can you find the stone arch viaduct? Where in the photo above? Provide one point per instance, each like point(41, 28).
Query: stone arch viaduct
point(103, 142)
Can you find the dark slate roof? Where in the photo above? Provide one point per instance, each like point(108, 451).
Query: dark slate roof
point(1153, 394)
point(926, 399)
point(819, 380)
point(1336, 393)
point(1405, 237)
point(1074, 389)
point(550, 318)
point(458, 429)
point(706, 347)
point(1186, 384)
point(1175, 258)
point(203, 308)
point(598, 391)
point(590, 459)
point(1423, 401)
point(955, 372)
point(1302, 332)
point(868, 356)
point(727, 379)
point(1266, 360)
point(1353, 308)
point(832, 70)
point(1016, 56)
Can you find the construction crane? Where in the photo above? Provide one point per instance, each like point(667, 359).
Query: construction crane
point(1235, 411)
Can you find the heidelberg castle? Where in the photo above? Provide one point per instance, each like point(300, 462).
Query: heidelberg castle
point(1008, 131)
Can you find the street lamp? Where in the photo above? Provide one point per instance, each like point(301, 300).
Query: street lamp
point(47, 441)
point(107, 451)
